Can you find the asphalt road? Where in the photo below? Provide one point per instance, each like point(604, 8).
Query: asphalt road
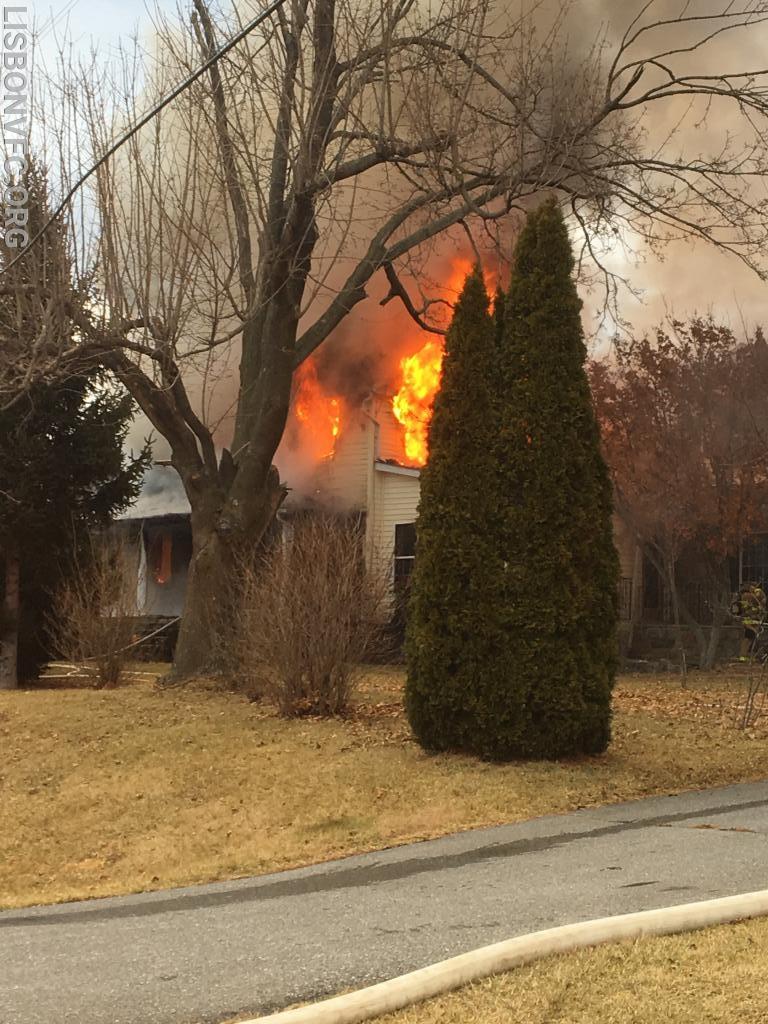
point(207, 953)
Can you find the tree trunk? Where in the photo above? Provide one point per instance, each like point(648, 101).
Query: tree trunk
point(208, 588)
point(674, 596)
point(9, 640)
point(721, 588)
point(221, 531)
point(715, 632)
point(636, 599)
point(696, 628)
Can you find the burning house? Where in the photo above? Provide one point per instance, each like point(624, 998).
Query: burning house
point(364, 460)
point(365, 472)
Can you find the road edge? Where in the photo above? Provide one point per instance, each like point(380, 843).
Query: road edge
point(447, 975)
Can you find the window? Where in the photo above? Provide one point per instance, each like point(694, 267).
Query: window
point(405, 553)
point(161, 557)
point(754, 559)
point(652, 598)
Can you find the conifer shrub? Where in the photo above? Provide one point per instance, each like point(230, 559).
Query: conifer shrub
point(512, 629)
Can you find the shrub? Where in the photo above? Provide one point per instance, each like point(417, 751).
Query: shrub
point(91, 622)
point(309, 612)
point(512, 632)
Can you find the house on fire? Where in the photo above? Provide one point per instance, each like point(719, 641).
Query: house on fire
point(365, 475)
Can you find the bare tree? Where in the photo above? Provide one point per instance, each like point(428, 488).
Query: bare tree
point(247, 221)
point(685, 434)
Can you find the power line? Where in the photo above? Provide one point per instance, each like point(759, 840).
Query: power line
point(53, 19)
point(185, 84)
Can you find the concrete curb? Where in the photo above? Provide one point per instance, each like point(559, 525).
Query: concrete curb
point(503, 956)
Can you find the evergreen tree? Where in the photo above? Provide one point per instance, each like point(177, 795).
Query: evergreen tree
point(454, 625)
point(512, 621)
point(63, 472)
point(550, 695)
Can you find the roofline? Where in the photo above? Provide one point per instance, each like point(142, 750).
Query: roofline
point(388, 467)
point(158, 517)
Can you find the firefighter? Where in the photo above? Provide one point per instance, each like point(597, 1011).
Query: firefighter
point(750, 607)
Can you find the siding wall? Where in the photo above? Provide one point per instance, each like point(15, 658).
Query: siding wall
point(390, 438)
point(396, 501)
point(343, 480)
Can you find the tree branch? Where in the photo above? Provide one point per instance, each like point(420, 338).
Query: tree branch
point(397, 291)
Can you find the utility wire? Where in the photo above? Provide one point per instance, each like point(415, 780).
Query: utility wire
point(185, 84)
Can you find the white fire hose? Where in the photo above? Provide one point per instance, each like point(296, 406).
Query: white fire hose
point(443, 977)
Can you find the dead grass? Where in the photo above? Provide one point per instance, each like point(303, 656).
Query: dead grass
point(139, 788)
point(717, 975)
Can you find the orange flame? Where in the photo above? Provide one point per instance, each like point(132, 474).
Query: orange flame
point(420, 376)
point(318, 415)
point(412, 405)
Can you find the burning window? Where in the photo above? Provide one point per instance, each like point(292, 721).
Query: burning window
point(412, 405)
point(161, 557)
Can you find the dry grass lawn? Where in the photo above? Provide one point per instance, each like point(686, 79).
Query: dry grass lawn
point(142, 788)
point(717, 975)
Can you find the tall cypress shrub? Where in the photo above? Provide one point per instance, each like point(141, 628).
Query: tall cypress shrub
point(560, 593)
point(454, 625)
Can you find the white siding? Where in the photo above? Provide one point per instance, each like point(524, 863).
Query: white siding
point(343, 480)
point(396, 501)
point(390, 435)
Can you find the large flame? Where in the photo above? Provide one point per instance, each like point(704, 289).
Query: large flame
point(318, 414)
point(420, 374)
point(412, 405)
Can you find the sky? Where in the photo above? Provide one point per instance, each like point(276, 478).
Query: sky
point(102, 21)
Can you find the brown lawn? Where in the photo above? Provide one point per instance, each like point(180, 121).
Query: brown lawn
point(143, 787)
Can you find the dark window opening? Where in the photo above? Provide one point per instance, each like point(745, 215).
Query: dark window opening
point(160, 557)
point(651, 587)
point(754, 560)
point(405, 553)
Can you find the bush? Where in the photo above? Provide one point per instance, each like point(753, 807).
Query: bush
point(309, 612)
point(512, 646)
point(90, 624)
